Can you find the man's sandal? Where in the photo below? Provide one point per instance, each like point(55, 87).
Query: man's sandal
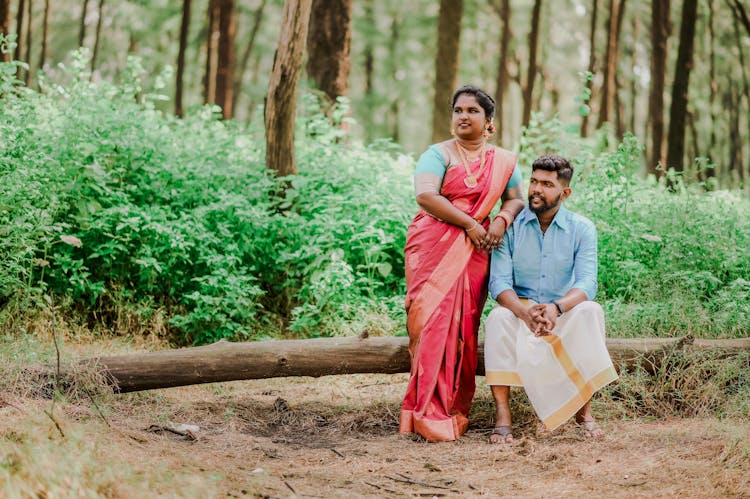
point(590, 429)
point(504, 431)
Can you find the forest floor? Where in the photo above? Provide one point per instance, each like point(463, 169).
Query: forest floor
point(337, 436)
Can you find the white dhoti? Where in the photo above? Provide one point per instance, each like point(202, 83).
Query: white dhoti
point(561, 371)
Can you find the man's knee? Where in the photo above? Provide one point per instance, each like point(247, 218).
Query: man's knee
point(589, 308)
point(499, 321)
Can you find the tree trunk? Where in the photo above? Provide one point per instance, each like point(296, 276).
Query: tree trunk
point(710, 172)
point(212, 37)
point(740, 16)
point(240, 73)
point(225, 67)
point(394, 117)
point(446, 65)
point(607, 105)
point(616, 100)
point(678, 109)
point(45, 35)
point(224, 361)
point(660, 28)
point(82, 29)
point(501, 83)
point(19, 32)
point(184, 27)
point(369, 69)
point(328, 46)
point(633, 77)
point(281, 99)
point(27, 56)
point(528, 90)
point(592, 66)
point(98, 35)
point(4, 25)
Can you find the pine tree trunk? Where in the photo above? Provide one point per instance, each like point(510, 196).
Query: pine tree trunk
point(634, 77)
point(225, 67)
point(393, 116)
point(592, 66)
point(45, 35)
point(528, 90)
point(98, 35)
point(616, 100)
point(281, 99)
point(741, 16)
point(82, 29)
point(369, 63)
point(501, 82)
point(179, 78)
point(660, 28)
point(240, 73)
point(328, 46)
point(4, 25)
point(680, 86)
point(19, 31)
point(710, 172)
point(609, 86)
point(446, 66)
point(212, 37)
point(27, 56)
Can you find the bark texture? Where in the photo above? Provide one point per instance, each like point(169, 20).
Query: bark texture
point(660, 28)
point(528, 91)
point(592, 65)
point(281, 99)
point(678, 108)
point(225, 64)
point(328, 46)
point(224, 361)
point(179, 77)
point(4, 25)
point(446, 66)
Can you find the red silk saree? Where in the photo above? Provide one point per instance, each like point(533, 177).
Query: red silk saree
point(446, 281)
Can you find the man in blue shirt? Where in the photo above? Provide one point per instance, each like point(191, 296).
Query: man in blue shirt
point(547, 334)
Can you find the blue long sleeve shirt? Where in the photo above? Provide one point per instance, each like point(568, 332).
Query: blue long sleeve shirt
point(544, 267)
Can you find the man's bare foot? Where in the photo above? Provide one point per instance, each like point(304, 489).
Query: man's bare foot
point(502, 435)
point(591, 429)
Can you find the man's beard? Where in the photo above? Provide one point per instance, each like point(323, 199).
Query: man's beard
point(546, 205)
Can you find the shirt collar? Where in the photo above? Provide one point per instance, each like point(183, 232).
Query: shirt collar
point(561, 217)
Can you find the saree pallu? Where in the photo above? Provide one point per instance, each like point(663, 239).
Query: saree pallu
point(446, 281)
point(559, 372)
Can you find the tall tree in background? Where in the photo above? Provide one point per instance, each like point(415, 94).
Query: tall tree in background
point(328, 46)
point(609, 86)
point(446, 65)
point(242, 68)
point(740, 16)
point(592, 66)
point(502, 9)
point(184, 27)
point(281, 99)
point(660, 28)
point(27, 56)
point(4, 25)
point(212, 39)
point(225, 63)
point(45, 35)
point(98, 34)
point(617, 107)
point(678, 108)
point(528, 90)
point(82, 28)
point(19, 31)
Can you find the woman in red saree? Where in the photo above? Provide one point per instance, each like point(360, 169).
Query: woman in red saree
point(457, 183)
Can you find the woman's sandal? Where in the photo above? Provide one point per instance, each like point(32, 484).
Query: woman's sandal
point(591, 429)
point(504, 431)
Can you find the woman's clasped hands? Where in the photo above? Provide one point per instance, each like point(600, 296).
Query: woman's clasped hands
point(487, 239)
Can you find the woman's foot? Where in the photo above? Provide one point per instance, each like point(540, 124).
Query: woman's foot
point(502, 434)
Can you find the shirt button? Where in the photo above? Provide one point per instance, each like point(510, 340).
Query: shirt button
point(543, 275)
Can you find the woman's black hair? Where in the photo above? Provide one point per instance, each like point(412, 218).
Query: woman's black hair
point(482, 97)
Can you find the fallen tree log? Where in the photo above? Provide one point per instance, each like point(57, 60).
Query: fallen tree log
point(225, 361)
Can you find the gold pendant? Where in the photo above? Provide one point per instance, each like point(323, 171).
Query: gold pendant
point(470, 181)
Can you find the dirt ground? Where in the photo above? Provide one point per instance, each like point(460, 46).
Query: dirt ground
point(337, 437)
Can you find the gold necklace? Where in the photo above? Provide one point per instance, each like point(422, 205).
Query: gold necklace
point(471, 180)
